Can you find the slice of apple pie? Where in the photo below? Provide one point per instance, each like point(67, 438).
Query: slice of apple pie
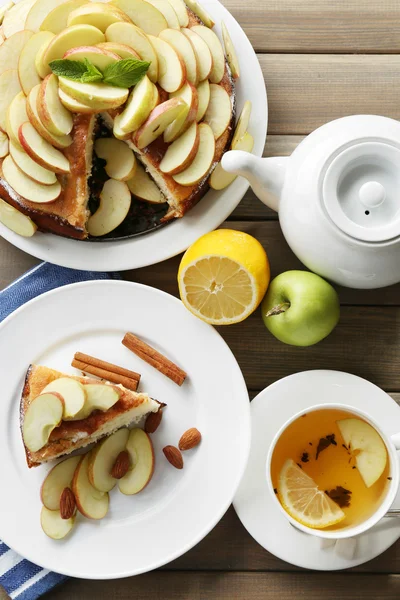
point(61, 413)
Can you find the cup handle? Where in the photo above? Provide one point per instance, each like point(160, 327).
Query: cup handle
point(396, 440)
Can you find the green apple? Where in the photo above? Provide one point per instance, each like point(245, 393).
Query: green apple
point(300, 308)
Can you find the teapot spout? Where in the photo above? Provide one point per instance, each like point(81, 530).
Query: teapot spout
point(265, 175)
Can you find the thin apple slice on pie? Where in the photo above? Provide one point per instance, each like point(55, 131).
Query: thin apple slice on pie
point(63, 437)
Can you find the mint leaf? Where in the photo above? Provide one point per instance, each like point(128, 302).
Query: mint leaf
point(71, 69)
point(92, 73)
point(125, 73)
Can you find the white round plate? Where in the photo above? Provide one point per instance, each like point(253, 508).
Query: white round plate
point(178, 507)
point(207, 215)
point(253, 503)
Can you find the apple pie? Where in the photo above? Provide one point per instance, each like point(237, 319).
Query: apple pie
point(88, 153)
point(81, 426)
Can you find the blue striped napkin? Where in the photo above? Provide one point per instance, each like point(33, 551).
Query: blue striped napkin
point(20, 578)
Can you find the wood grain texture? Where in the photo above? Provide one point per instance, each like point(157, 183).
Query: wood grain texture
point(308, 90)
point(319, 26)
point(234, 586)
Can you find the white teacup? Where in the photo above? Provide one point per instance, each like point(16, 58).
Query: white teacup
point(392, 445)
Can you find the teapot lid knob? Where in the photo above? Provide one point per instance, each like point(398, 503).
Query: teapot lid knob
point(372, 194)
point(360, 191)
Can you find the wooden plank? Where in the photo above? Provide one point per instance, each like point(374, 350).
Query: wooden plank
point(320, 26)
point(233, 586)
point(306, 91)
point(281, 259)
point(163, 276)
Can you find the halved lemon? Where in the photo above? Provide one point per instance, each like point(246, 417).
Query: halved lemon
point(223, 276)
point(301, 498)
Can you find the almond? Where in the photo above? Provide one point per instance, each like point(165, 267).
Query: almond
point(67, 503)
point(174, 456)
point(152, 422)
point(190, 439)
point(121, 465)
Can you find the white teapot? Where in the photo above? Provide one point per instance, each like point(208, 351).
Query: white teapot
point(338, 198)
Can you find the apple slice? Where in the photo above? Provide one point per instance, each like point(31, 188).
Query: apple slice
point(185, 50)
point(9, 88)
point(219, 111)
point(168, 11)
point(74, 105)
point(189, 94)
point(14, 19)
point(27, 73)
point(220, 179)
point(41, 151)
point(16, 220)
point(368, 447)
point(4, 147)
point(26, 187)
point(157, 122)
point(117, 131)
point(39, 11)
point(243, 123)
point(73, 393)
point(156, 97)
point(143, 14)
point(54, 116)
point(200, 12)
point(141, 452)
point(41, 68)
point(115, 202)
point(43, 415)
point(120, 160)
point(171, 68)
point(217, 53)
point(122, 50)
point(98, 14)
point(102, 459)
point(53, 525)
point(132, 36)
point(96, 95)
point(10, 50)
point(230, 52)
point(30, 167)
point(90, 502)
point(201, 52)
point(100, 57)
point(16, 115)
point(59, 141)
point(56, 20)
point(144, 188)
point(181, 153)
point(202, 161)
point(203, 94)
point(71, 37)
point(56, 481)
point(138, 106)
point(180, 8)
point(99, 396)
point(3, 9)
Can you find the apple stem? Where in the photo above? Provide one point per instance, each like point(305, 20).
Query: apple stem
point(278, 309)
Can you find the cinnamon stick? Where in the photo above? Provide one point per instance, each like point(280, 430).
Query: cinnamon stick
point(154, 358)
point(102, 364)
point(130, 384)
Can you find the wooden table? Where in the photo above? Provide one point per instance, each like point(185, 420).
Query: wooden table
point(321, 59)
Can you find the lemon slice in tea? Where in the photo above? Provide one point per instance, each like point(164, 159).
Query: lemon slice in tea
point(301, 498)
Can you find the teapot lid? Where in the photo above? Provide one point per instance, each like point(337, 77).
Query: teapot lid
point(361, 189)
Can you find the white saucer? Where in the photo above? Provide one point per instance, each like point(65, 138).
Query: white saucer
point(253, 502)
